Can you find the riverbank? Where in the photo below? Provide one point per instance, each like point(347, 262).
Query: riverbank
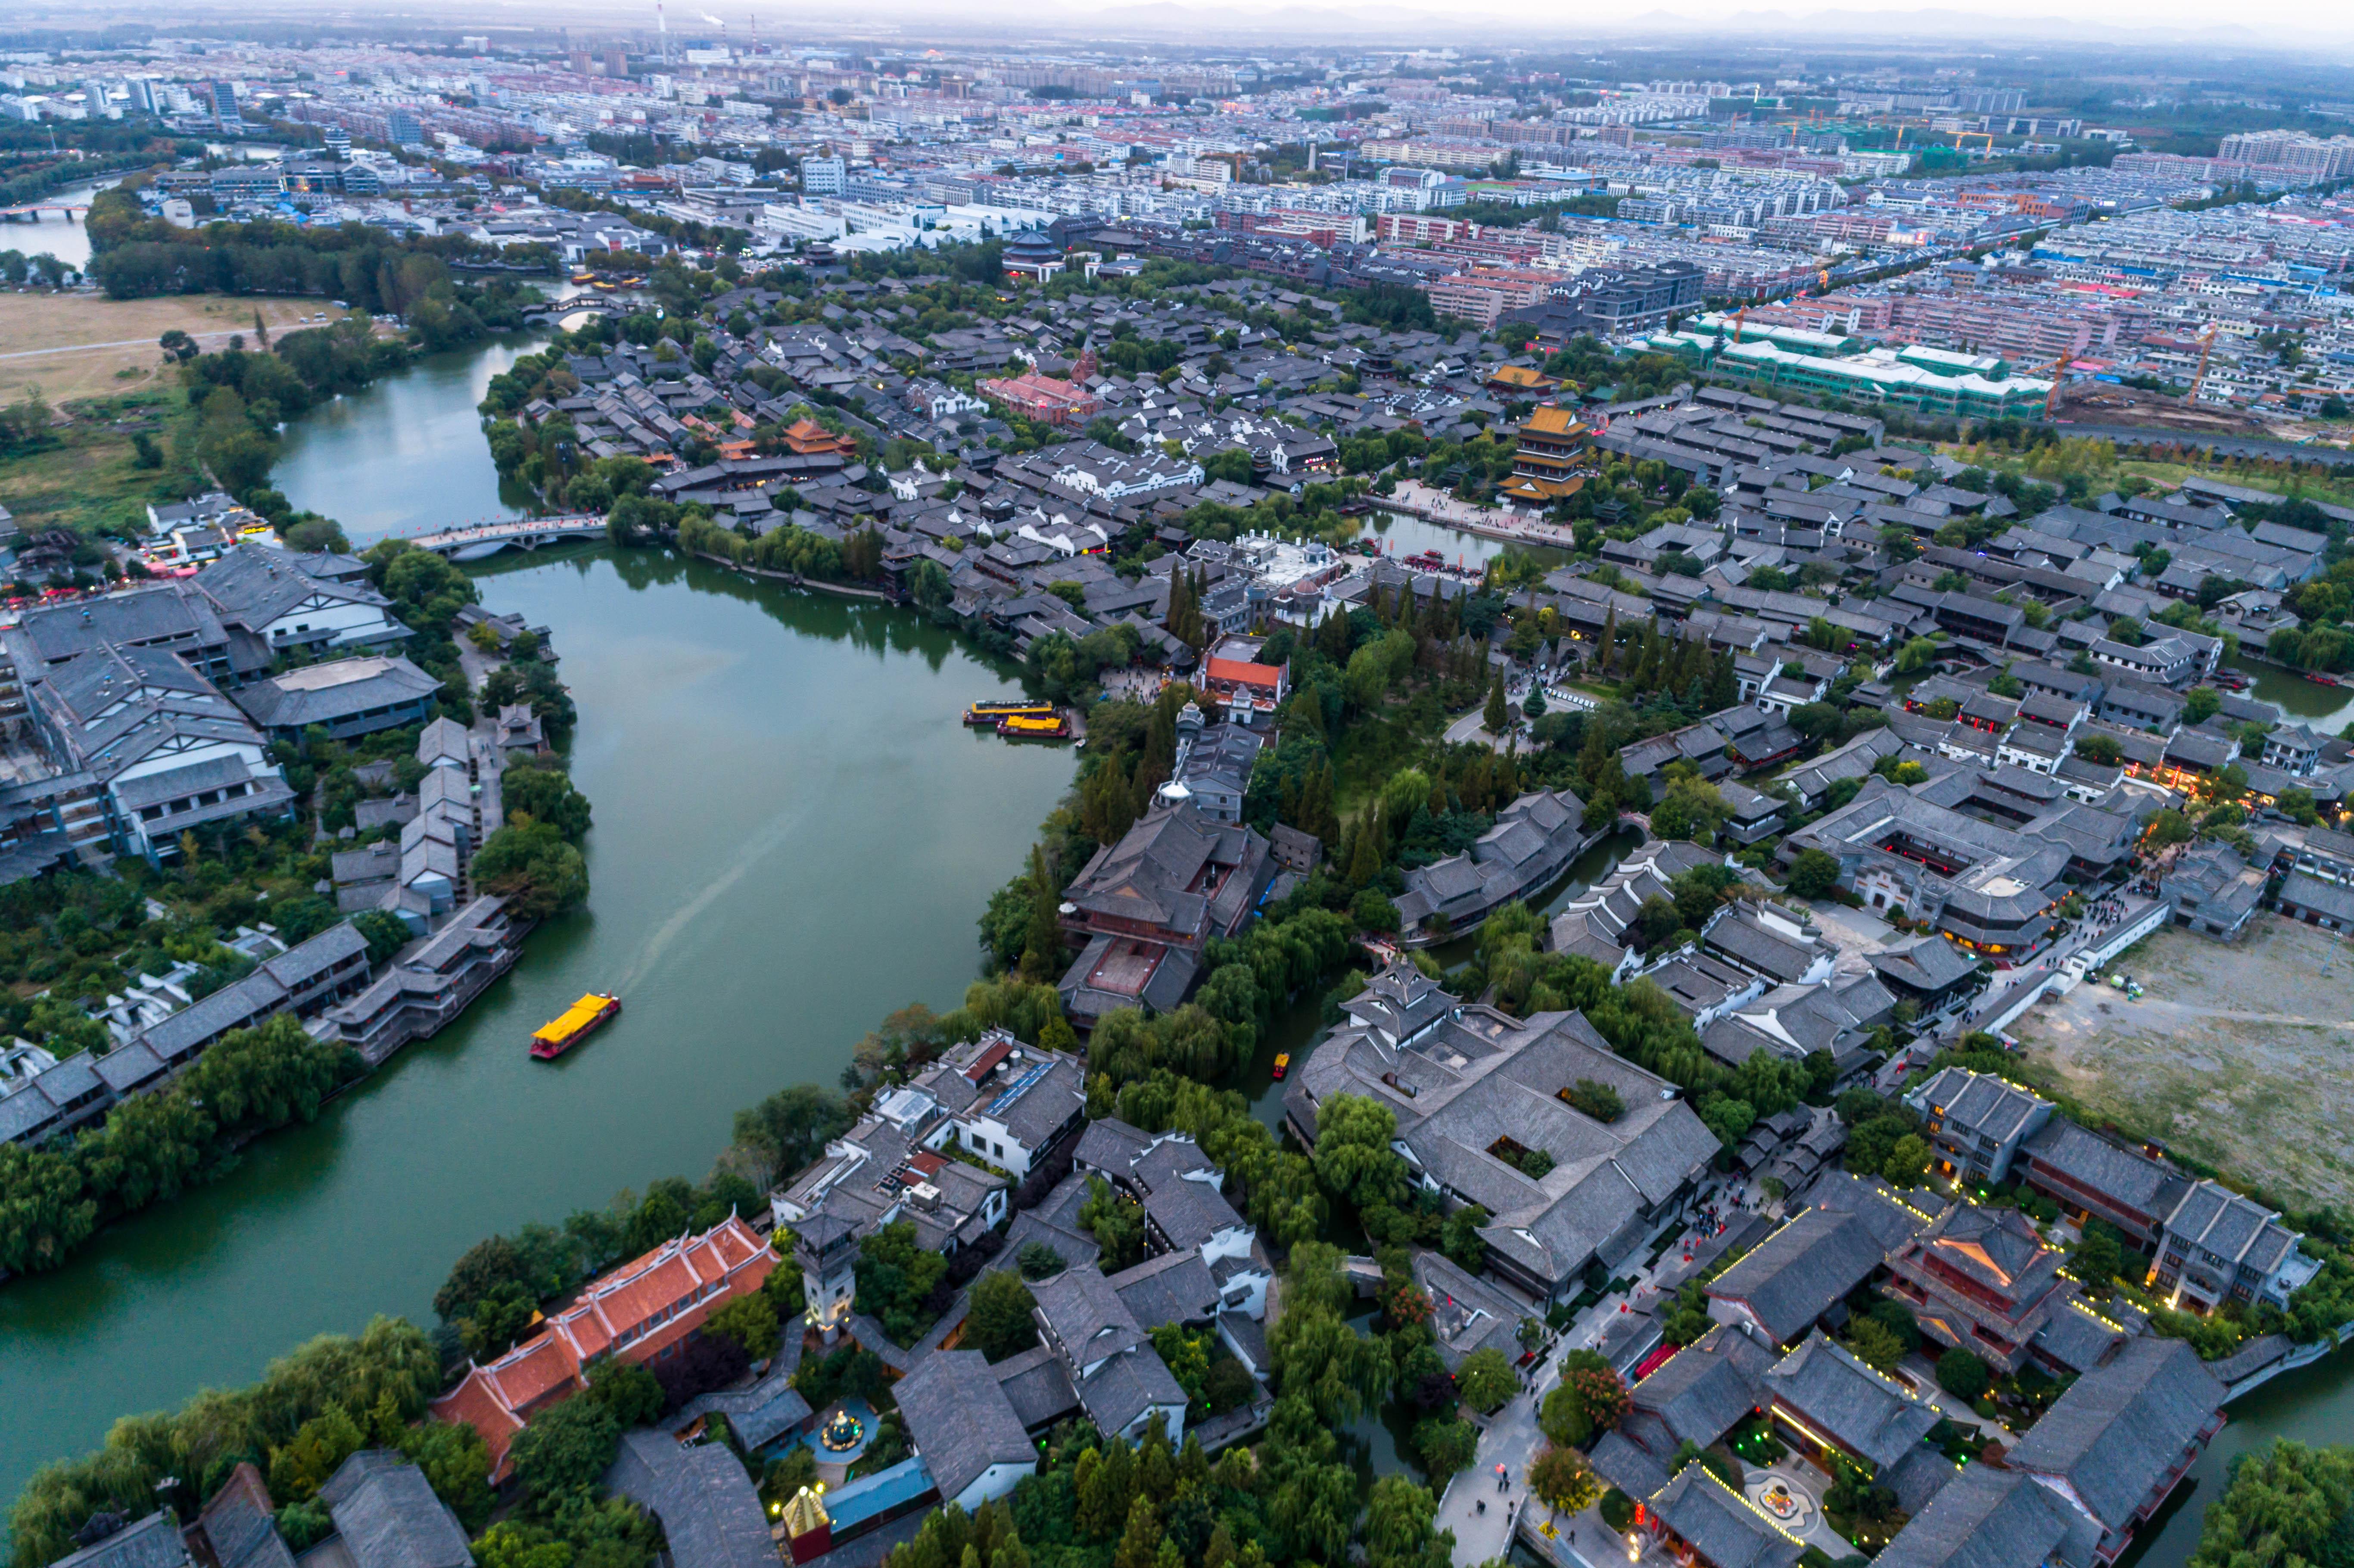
point(1415, 499)
point(795, 579)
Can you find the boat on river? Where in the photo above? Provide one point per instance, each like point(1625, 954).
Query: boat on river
point(1051, 725)
point(580, 1021)
point(992, 713)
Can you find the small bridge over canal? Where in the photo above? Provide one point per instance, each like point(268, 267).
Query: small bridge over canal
point(520, 532)
point(31, 211)
point(557, 311)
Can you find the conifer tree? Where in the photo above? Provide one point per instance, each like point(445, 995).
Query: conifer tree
point(1041, 952)
point(1724, 683)
point(1609, 639)
point(1496, 716)
point(1140, 1545)
point(1366, 862)
point(1323, 818)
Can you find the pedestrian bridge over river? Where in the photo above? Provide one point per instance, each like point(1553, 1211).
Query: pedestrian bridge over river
point(523, 533)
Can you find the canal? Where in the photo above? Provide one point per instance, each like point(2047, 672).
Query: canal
point(793, 836)
point(2327, 709)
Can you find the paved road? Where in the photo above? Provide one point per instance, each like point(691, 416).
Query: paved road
point(2088, 931)
point(1514, 1440)
point(223, 336)
point(2229, 446)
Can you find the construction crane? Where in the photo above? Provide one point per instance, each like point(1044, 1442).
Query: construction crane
point(1738, 317)
point(2051, 398)
point(2206, 349)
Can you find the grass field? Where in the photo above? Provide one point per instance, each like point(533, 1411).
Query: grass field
point(2235, 1057)
point(85, 346)
point(88, 475)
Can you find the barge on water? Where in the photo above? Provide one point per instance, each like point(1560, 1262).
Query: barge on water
point(580, 1021)
point(994, 714)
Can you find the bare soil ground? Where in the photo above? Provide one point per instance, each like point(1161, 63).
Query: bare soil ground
point(2236, 1055)
point(86, 345)
point(2095, 402)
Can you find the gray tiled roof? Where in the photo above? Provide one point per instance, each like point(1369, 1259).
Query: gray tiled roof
point(1795, 1275)
point(1841, 1396)
point(150, 1543)
point(960, 1419)
point(709, 1514)
point(1979, 1103)
point(238, 1524)
point(2120, 1427)
point(1720, 1525)
point(340, 688)
point(1037, 1386)
point(389, 1516)
point(1087, 1315)
point(2129, 1177)
point(1703, 1389)
point(1174, 1287)
point(1992, 1519)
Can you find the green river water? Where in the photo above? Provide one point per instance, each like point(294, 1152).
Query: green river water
point(793, 836)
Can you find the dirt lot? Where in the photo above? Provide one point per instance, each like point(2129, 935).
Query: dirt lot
point(85, 346)
point(2236, 1055)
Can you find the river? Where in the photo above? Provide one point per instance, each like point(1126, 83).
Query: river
point(793, 836)
point(407, 454)
point(68, 240)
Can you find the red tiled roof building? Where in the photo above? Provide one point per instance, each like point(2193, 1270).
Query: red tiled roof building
point(640, 1313)
point(1046, 398)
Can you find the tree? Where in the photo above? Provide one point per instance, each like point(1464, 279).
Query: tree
point(2097, 1258)
point(1353, 1157)
point(1496, 717)
point(1907, 1164)
point(997, 1320)
point(629, 1391)
point(1709, 1459)
point(1565, 1480)
point(1140, 1543)
point(1398, 1533)
point(1814, 873)
point(1962, 1374)
point(565, 1449)
point(2201, 703)
point(895, 1277)
point(1874, 1345)
point(1916, 656)
point(1115, 1222)
point(791, 1127)
point(1597, 1099)
point(1037, 1260)
point(529, 864)
point(2101, 750)
point(299, 1468)
point(1445, 1446)
point(2285, 1505)
point(1486, 1380)
point(750, 1321)
point(545, 795)
point(1459, 1238)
